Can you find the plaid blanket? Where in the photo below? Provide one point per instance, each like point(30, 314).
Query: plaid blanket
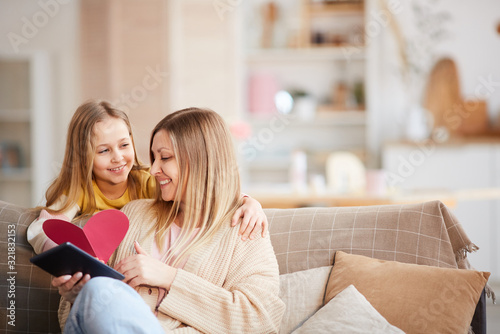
point(424, 233)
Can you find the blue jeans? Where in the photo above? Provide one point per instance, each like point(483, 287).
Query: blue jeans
point(107, 305)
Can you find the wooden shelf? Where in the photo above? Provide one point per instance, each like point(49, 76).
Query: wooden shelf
point(340, 46)
point(290, 199)
point(319, 9)
point(22, 174)
point(322, 118)
point(315, 12)
point(344, 117)
point(15, 115)
point(313, 53)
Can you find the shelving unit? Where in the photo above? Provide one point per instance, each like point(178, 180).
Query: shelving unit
point(25, 128)
point(313, 68)
point(15, 131)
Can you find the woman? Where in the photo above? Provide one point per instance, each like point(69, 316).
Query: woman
point(181, 254)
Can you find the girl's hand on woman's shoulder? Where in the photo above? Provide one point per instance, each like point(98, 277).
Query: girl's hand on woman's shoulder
point(142, 269)
point(69, 286)
point(253, 219)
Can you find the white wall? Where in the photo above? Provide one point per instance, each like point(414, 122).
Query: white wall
point(473, 43)
point(49, 26)
point(204, 54)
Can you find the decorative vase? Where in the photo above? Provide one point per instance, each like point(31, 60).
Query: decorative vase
point(418, 124)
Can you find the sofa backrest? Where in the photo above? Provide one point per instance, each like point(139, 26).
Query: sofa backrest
point(425, 233)
point(35, 300)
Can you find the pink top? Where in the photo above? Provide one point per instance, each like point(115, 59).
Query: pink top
point(173, 234)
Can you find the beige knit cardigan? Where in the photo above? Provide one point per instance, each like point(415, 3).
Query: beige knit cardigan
point(227, 286)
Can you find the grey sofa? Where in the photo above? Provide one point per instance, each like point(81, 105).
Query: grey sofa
point(302, 239)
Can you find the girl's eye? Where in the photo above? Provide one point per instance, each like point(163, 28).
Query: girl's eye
point(125, 144)
point(103, 151)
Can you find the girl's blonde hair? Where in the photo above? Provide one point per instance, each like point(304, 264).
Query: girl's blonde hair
point(75, 177)
point(208, 175)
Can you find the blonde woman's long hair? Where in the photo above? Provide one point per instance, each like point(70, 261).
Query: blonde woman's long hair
point(208, 173)
point(76, 174)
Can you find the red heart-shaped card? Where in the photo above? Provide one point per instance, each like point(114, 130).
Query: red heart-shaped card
point(99, 237)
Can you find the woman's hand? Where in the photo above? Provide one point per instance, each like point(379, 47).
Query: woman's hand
point(69, 286)
point(253, 219)
point(142, 269)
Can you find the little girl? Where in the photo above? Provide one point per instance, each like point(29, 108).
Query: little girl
point(101, 171)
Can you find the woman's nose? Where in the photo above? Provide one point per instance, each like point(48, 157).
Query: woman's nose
point(154, 168)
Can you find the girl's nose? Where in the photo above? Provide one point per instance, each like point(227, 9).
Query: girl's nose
point(117, 157)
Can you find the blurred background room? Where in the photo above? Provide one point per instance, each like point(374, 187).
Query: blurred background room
point(331, 103)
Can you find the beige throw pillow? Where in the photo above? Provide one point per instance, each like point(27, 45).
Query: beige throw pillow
point(349, 312)
point(414, 298)
point(303, 293)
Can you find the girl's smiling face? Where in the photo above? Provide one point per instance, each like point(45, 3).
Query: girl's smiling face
point(164, 167)
point(114, 156)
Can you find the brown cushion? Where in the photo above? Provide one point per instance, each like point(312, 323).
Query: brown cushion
point(414, 298)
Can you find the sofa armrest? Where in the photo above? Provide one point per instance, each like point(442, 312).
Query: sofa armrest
point(478, 323)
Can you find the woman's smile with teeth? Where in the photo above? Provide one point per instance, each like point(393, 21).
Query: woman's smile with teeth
point(165, 182)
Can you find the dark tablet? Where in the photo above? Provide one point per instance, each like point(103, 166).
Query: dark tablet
point(67, 259)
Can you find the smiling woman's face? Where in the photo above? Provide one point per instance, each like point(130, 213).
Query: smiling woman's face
point(164, 167)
